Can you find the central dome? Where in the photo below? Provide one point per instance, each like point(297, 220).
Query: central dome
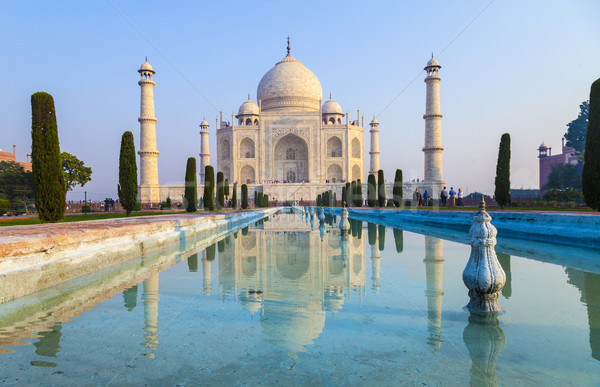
point(289, 85)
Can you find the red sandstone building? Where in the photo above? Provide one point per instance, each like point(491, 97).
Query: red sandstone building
point(7, 156)
point(547, 161)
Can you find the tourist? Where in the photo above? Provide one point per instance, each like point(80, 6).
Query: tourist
point(417, 197)
point(460, 198)
point(443, 196)
point(452, 197)
point(426, 198)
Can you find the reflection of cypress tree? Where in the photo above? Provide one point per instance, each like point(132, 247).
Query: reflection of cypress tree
point(193, 263)
point(399, 239)
point(372, 228)
point(359, 225)
point(210, 252)
point(504, 260)
point(589, 287)
point(130, 298)
point(228, 239)
point(221, 246)
point(381, 237)
point(354, 227)
point(235, 235)
point(245, 231)
point(49, 342)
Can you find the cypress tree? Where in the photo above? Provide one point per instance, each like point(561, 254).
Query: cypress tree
point(330, 198)
point(380, 188)
point(590, 177)
point(226, 188)
point(344, 196)
point(255, 198)
point(399, 239)
point(209, 188)
point(371, 190)
point(502, 182)
point(234, 196)
point(381, 228)
point(348, 198)
point(397, 191)
point(265, 201)
point(359, 197)
point(335, 199)
point(244, 196)
point(48, 179)
point(318, 200)
point(191, 191)
point(260, 199)
point(127, 187)
point(351, 194)
point(220, 191)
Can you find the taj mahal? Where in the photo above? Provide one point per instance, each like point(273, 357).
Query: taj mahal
point(289, 144)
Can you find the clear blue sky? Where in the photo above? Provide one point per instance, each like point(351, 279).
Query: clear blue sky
point(520, 67)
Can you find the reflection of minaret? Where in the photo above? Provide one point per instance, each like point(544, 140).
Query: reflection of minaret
point(434, 262)
point(375, 261)
point(150, 298)
point(589, 286)
point(206, 273)
point(485, 341)
point(504, 260)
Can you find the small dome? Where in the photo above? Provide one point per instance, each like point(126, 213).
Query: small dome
point(248, 107)
point(204, 123)
point(432, 62)
point(146, 67)
point(374, 121)
point(332, 107)
point(543, 146)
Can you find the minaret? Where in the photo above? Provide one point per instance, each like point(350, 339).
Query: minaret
point(204, 153)
point(148, 190)
point(374, 146)
point(433, 126)
point(434, 263)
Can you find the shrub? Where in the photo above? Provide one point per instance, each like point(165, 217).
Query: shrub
point(502, 181)
point(220, 191)
point(234, 196)
point(591, 165)
point(4, 206)
point(48, 178)
point(397, 191)
point(244, 196)
point(407, 203)
point(371, 190)
point(86, 208)
point(209, 188)
point(191, 191)
point(565, 195)
point(380, 188)
point(166, 205)
point(127, 187)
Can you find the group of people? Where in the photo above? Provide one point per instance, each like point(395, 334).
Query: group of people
point(450, 198)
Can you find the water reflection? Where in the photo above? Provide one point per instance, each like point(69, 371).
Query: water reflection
point(434, 269)
point(150, 298)
point(292, 275)
point(504, 260)
point(485, 341)
point(130, 298)
point(48, 345)
point(589, 287)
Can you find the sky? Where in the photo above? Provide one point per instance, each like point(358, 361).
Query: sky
point(508, 66)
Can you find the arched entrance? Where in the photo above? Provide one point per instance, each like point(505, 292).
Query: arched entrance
point(291, 159)
point(334, 173)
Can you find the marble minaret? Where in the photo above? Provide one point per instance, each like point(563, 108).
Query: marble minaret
point(374, 146)
point(204, 153)
point(433, 128)
point(148, 190)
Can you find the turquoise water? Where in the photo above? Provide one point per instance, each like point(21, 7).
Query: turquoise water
point(284, 301)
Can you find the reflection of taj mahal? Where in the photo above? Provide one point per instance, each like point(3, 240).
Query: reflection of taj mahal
point(290, 144)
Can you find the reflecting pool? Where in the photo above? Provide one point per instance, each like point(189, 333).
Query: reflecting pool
point(287, 300)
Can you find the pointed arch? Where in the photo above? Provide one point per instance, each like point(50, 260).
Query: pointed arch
point(247, 148)
point(356, 148)
point(334, 147)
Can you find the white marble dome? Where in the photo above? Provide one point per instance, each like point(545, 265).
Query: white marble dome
point(289, 85)
point(332, 107)
point(204, 123)
point(248, 108)
point(433, 63)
